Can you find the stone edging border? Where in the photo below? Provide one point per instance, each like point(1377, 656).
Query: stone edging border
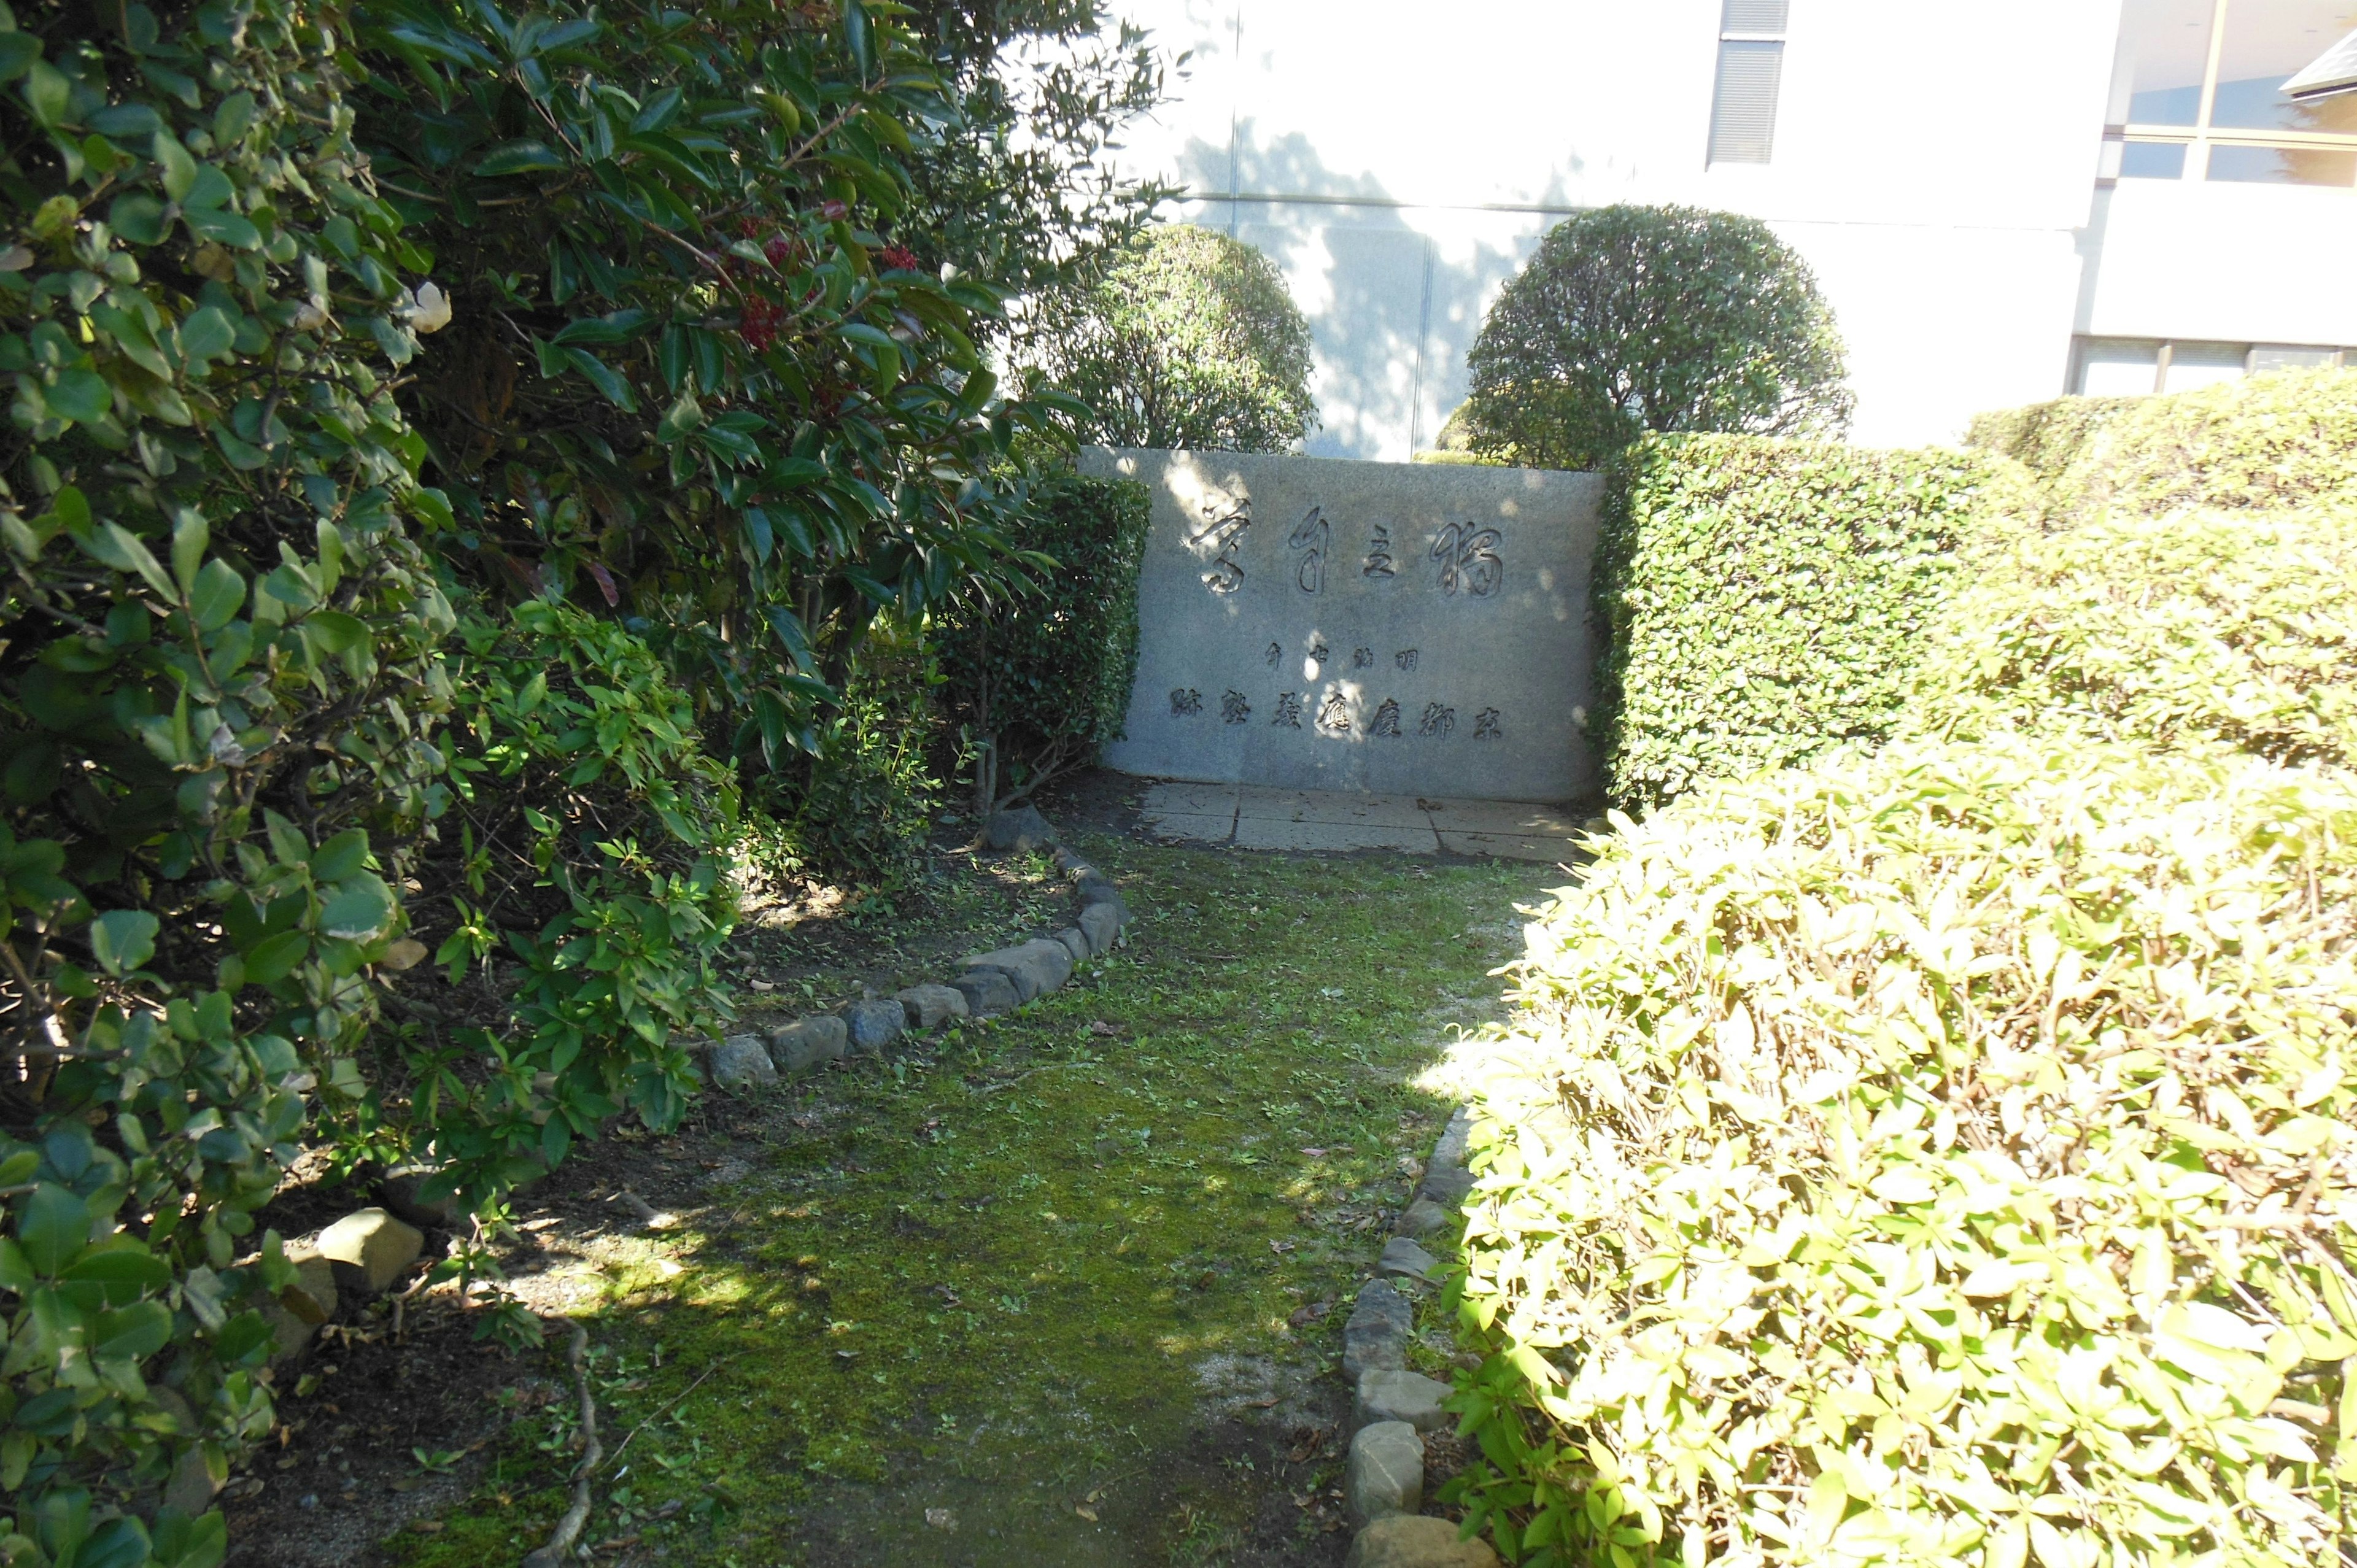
point(1391, 1407)
point(986, 985)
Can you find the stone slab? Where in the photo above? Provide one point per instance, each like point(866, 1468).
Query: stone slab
point(1191, 828)
point(1274, 833)
point(1389, 627)
point(1513, 846)
point(1181, 797)
point(1513, 818)
point(1332, 806)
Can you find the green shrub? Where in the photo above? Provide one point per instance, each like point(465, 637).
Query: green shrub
point(577, 877)
point(220, 680)
point(2280, 439)
point(1183, 338)
point(1041, 680)
point(1630, 319)
point(2217, 628)
point(1937, 1157)
point(1761, 600)
point(2045, 437)
point(859, 809)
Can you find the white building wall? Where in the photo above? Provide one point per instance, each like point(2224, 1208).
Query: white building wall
point(1400, 164)
point(2233, 263)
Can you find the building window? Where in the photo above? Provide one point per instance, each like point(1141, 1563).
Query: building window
point(2134, 366)
point(1751, 66)
point(2197, 94)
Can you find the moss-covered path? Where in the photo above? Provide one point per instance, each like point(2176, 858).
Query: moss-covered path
point(1065, 1289)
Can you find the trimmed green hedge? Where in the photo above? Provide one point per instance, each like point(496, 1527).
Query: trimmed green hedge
point(1041, 682)
point(2045, 437)
point(1763, 599)
point(2198, 628)
point(1946, 1156)
point(2270, 441)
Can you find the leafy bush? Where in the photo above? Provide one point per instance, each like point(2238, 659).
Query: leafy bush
point(576, 877)
point(687, 373)
point(2046, 438)
point(2217, 627)
point(1183, 338)
point(1041, 682)
point(2277, 440)
point(1761, 600)
point(218, 682)
point(1630, 319)
point(858, 810)
point(1942, 1156)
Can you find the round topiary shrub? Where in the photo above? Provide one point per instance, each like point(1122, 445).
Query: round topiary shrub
point(1185, 337)
point(1661, 318)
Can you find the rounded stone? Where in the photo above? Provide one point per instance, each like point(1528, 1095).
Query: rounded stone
point(807, 1043)
point(1388, 1394)
point(1385, 1473)
point(873, 1024)
point(1413, 1541)
point(369, 1249)
point(740, 1062)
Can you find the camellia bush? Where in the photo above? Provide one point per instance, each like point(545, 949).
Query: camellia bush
point(1040, 682)
point(1185, 337)
point(1761, 600)
point(221, 687)
point(1631, 320)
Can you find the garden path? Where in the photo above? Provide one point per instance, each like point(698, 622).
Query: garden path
point(1065, 1289)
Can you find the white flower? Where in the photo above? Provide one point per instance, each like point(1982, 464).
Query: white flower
point(431, 313)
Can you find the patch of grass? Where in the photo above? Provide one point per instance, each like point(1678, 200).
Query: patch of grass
point(1010, 1273)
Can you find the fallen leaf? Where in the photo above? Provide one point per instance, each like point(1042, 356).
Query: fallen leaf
point(1101, 1027)
point(764, 986)
point(1260, 1404)
point(427, 1526)
point(1315, 1153)
point(940, 1519)
point(1085, 1511)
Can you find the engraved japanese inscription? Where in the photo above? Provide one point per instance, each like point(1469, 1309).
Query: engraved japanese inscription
point(1310, 536)
point(1372, 638)
point(1224, 529)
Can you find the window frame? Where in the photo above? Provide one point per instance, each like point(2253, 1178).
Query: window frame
point(2201, 135)
point(2165, 355)
point(1728, 33)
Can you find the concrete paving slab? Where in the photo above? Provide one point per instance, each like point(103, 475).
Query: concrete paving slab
point(1189, 800)
point(1339, 806)
point(1510, 846)
point(1270, 832)
point(1201, 829)
point(1501, 817)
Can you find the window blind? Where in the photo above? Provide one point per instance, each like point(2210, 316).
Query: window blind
point(1743, 109)
point(1754, 17)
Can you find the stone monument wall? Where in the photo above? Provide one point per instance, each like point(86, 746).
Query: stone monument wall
point(1394, 628)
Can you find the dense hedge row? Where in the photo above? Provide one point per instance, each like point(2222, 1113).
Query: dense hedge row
point(1040, 683)
point(1763, 599)
point(1937, 1157)
point(2269, 441)
point(2235, 628)
point(1949, 1154)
